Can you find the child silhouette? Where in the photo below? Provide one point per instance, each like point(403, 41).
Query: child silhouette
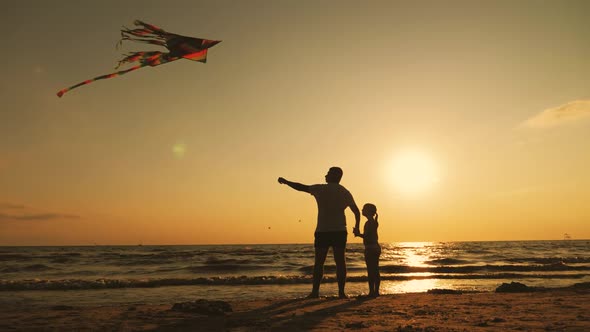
point(372, 247)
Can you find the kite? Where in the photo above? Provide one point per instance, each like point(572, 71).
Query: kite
point(179, 47)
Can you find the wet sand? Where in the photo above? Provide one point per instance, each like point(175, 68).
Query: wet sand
point(549, 310)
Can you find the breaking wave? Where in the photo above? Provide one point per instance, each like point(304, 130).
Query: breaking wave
point(82, 284)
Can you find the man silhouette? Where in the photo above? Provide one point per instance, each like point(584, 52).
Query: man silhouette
point(332, 199)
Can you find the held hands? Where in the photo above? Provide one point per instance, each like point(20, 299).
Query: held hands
point(356, 231)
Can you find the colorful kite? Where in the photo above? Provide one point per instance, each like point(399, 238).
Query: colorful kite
point(179, 47)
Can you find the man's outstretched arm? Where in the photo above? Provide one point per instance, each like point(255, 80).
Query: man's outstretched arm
point(295, 185)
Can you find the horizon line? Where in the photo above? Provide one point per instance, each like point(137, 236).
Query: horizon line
point(267, 244)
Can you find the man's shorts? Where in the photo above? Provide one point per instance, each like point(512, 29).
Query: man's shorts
point(330, 239)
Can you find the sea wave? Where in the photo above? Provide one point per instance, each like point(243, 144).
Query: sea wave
point(478, 251)
point(550, 260)
point(83, 284)
point(225, 268)
point(27, 268)
point(489, 268)
point(446, 261)
point(226, 261)
point(483, 268)
point(63, 260)
point(14, 257)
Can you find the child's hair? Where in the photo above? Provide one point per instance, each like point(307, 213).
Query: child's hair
point(371, 208)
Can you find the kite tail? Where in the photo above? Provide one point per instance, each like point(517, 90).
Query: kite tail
point(119, 73)
point(148, 33)
point(144, 58)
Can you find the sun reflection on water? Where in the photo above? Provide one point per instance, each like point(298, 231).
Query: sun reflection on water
point(414, 254)
point(410, 286)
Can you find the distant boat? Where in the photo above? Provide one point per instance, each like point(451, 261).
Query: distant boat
point(566, 236)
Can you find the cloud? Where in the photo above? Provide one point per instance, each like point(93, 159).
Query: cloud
point(36, 216)
point(8, 206)
point(16, 212)
point(567, 113)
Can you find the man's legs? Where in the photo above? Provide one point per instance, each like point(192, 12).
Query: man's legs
point(340, 269)
point(318, 270)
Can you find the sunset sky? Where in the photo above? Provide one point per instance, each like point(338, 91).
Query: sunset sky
point(459, 120)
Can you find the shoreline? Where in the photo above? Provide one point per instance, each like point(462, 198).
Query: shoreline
point(554, 309)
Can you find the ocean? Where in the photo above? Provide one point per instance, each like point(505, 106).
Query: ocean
point(100, 275)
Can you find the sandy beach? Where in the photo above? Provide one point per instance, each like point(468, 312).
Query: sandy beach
point(566, 309)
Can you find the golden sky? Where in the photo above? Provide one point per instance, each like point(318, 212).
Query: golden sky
point(459, 120)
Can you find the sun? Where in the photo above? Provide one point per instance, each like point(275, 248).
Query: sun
point(413, 172)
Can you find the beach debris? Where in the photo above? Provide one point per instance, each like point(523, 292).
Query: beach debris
point(356, 325)
point(411, 328)
point(62, 307)
point(516, 287)
point(202, 306)
point(424, 312)
point(444, 291)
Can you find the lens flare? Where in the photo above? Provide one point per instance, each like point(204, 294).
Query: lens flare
point(179, 150)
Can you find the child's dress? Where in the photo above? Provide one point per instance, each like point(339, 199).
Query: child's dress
point(371, 239)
